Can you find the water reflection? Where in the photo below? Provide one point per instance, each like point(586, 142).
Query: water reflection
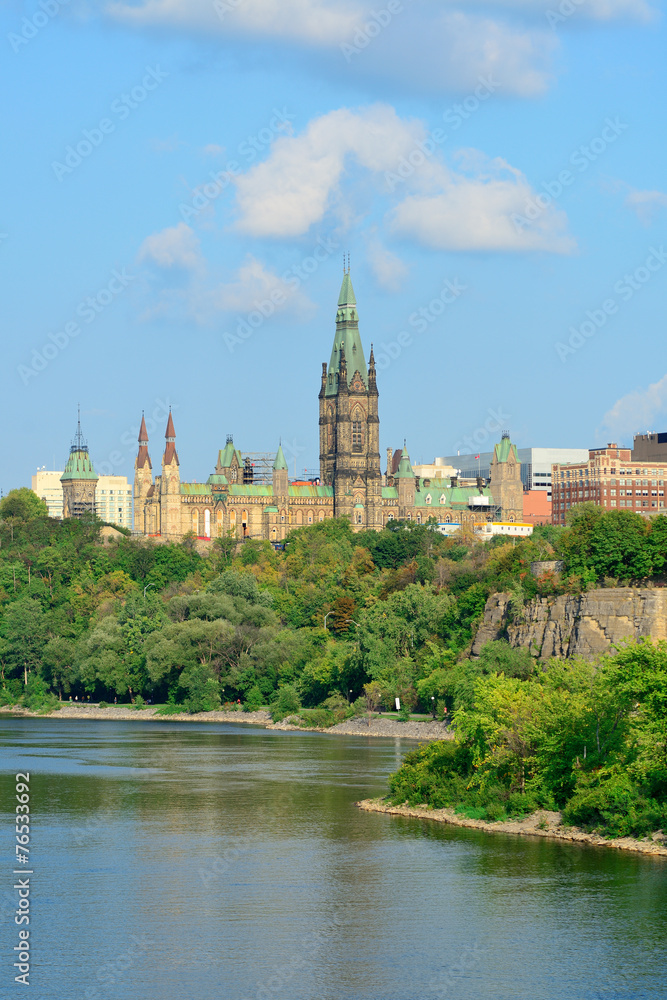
point(230, 861)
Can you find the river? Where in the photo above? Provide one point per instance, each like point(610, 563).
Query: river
point(209, 861)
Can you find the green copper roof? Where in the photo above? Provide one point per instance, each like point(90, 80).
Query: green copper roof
point(250, 490)
point(311, 491)
point(347, 337)
point(280, 465)
point(504, 449)
point(405, 470)
point(449, 496)
point(216, 480)
point(195, 489)
point(270, 510)
point(389, 493)
point(226, 455)
point(79, 466)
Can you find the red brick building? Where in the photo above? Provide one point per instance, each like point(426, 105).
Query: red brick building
point(611, 479)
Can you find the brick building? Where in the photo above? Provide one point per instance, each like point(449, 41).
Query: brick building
point(612, 479)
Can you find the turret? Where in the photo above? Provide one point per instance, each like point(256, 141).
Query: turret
point(280, 476)
point(404, 480)
point(143, 479)
point(79, 480)
point(170, 486)
point(505, 483)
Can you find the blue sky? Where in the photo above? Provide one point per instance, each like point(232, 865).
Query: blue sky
point(181, 179)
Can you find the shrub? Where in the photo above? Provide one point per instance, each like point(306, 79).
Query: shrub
point(287, 702)
point(254, 699)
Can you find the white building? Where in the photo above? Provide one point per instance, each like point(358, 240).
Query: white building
point(113, 497)
point(48, 488)
point(113, 501)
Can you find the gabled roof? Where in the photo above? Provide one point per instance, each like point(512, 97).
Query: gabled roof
point(504, 449)
point(226, 455)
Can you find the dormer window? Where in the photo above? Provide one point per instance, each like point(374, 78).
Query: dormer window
point(443, 500)
point(428, 498)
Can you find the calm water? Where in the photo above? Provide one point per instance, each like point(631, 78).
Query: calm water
point(216, 861)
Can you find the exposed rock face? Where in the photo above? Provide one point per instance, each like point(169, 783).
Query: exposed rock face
point(583, 625)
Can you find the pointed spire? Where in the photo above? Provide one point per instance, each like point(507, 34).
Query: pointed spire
point(405, 470)
point(143, 433)
point(280, 464)
point(143, 458)
point(170, 447)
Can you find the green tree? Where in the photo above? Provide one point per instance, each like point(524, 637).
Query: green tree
point(22, 504)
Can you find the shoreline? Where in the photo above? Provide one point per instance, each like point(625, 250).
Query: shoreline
point(424, 732)
point(527, 827)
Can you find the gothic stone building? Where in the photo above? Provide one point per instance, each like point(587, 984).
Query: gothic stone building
point(351, 482)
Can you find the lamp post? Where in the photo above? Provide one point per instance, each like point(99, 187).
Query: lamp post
point(325, 618)
point(146, 588)
point(433, 705)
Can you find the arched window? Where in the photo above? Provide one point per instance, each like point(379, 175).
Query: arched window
point(232, 520)
point(321, 515)
point(310, 517)
point(195, 521)
point(299, 517)
point(207, 523)
point(419, 519)
point(357, 432)
point(218, 521)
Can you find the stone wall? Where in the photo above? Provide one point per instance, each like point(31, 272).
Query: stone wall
point(583, 625)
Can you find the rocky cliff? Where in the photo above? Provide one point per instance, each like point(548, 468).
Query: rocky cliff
point(582, 625)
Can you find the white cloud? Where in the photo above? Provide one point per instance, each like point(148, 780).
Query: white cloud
point(597, 10)
point(389, 270)
point(646, 204)
point(638, 411)
point(176, 246)
point(482, 211)
point(317, 22)
point(295, 187)
point(307, 177)
point(213, 149)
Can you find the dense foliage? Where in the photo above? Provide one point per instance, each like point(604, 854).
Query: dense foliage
point(589, 739)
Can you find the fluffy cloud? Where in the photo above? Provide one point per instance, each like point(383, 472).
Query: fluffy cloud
point(485, 211)
point(176, 246)
point(476, 207)
point(299, 182)
point(638, 411)
point(318, 22)
point(646, 204)
point(443, 46)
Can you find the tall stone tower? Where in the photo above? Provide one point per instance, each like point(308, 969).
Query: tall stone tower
point(79, 480)
point(405, 481)
point(143, 480)
point(170, 486)
point(506, 485)
point(280, 477)
point(349, 422)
